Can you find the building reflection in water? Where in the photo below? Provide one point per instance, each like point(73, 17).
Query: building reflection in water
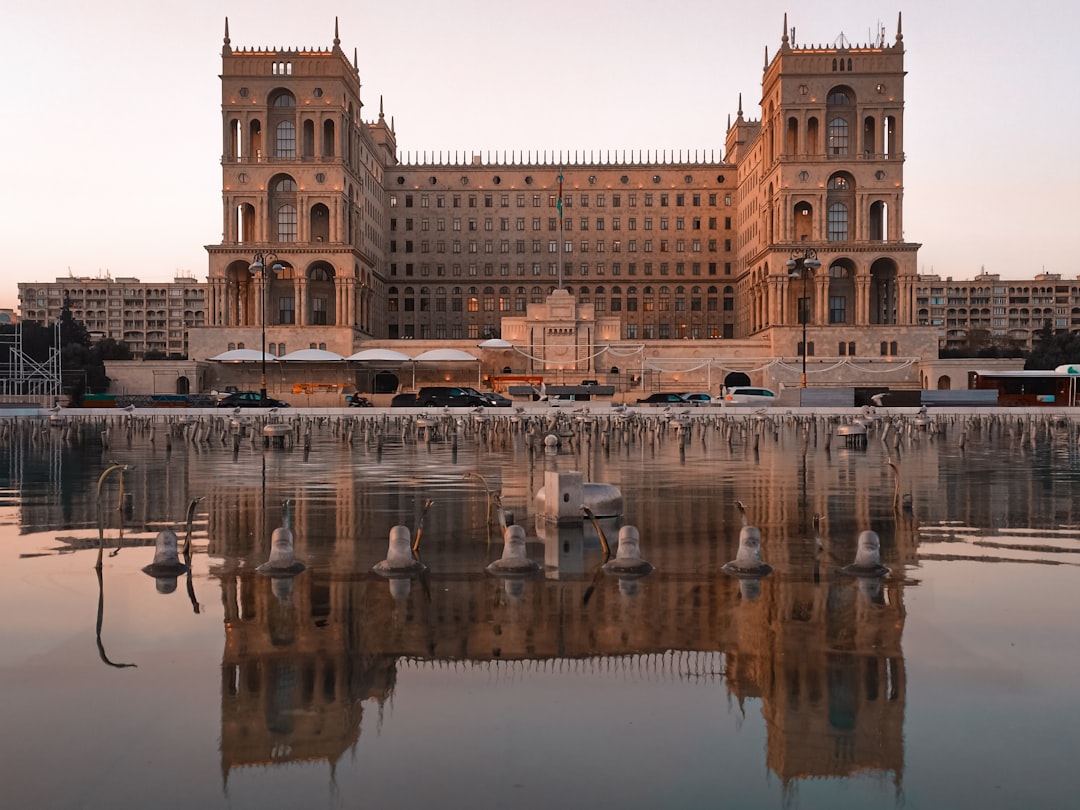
point(821, 650)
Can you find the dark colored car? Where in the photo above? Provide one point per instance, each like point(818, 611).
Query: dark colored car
point(698, 399)
point(663, 399)
point(491, 399)
point(250, 399)
point(448, 395)
point(404, 401)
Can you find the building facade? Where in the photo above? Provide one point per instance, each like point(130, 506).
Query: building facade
point(362, 243)
point(154, 317)
point(987, 311)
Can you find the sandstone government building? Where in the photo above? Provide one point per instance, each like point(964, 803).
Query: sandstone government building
point(586, 264)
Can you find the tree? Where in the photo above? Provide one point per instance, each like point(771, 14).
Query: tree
point(71, 330)
point(110, 349)
point(1053, 348)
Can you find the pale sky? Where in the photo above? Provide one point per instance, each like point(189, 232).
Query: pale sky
point(112, 141)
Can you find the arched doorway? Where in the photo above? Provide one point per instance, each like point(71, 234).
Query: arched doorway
point(736, 378)
point(386, 382)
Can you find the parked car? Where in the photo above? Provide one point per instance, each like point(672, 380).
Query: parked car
point(746, 395)
point(404, 401)
point(491, 399)
point(448, 395)
point(250, 399)
point(663, 399)
point(698, 399)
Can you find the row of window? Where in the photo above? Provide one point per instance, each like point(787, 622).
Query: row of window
point(562, 223)
point(649, 199)
point(541, 291)
point(552, 245)
point(552, 269)
point(506, 303)
point(632, 331)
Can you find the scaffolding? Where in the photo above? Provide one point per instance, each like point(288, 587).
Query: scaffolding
point(23, 376)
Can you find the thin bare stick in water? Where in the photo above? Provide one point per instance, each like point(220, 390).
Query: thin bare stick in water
point(607, 555)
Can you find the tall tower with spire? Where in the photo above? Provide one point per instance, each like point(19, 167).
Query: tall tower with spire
point(302, 179)
point(821, 175)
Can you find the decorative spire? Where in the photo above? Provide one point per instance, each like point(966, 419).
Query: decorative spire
point(740, 107)
point(899, 26)
point(784, 38)
point(766, 65)
point(337, 39)
point(355, 60)
point(226, 48)
point(380, 107)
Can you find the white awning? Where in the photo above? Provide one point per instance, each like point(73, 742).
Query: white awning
point(445, 356)
point(312, 356)
point(383, 355)
point(243, 356)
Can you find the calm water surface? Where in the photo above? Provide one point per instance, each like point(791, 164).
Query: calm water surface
point(948, 683)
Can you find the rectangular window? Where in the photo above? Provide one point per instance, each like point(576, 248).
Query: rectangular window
point(837, 223)
point(286, 223)
point(837, 309)
point(286, 310)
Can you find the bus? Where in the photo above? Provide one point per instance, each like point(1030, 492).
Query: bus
point(1032, 387)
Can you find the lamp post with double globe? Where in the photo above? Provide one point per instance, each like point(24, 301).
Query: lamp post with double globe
point(799, 266)
point(260, 263)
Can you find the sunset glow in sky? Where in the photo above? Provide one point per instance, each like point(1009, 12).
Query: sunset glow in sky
point(113, 141)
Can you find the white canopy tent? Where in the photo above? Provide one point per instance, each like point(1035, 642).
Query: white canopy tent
point(379, 355)
point(446, 356)
point(243, 356)
point(311, 356)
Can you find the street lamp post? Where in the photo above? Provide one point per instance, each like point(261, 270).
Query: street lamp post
point(799, 265)
point(260, 263)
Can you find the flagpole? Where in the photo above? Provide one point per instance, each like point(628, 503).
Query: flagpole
point(559, 205)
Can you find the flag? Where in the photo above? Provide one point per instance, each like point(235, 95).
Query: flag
point(558, 202)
